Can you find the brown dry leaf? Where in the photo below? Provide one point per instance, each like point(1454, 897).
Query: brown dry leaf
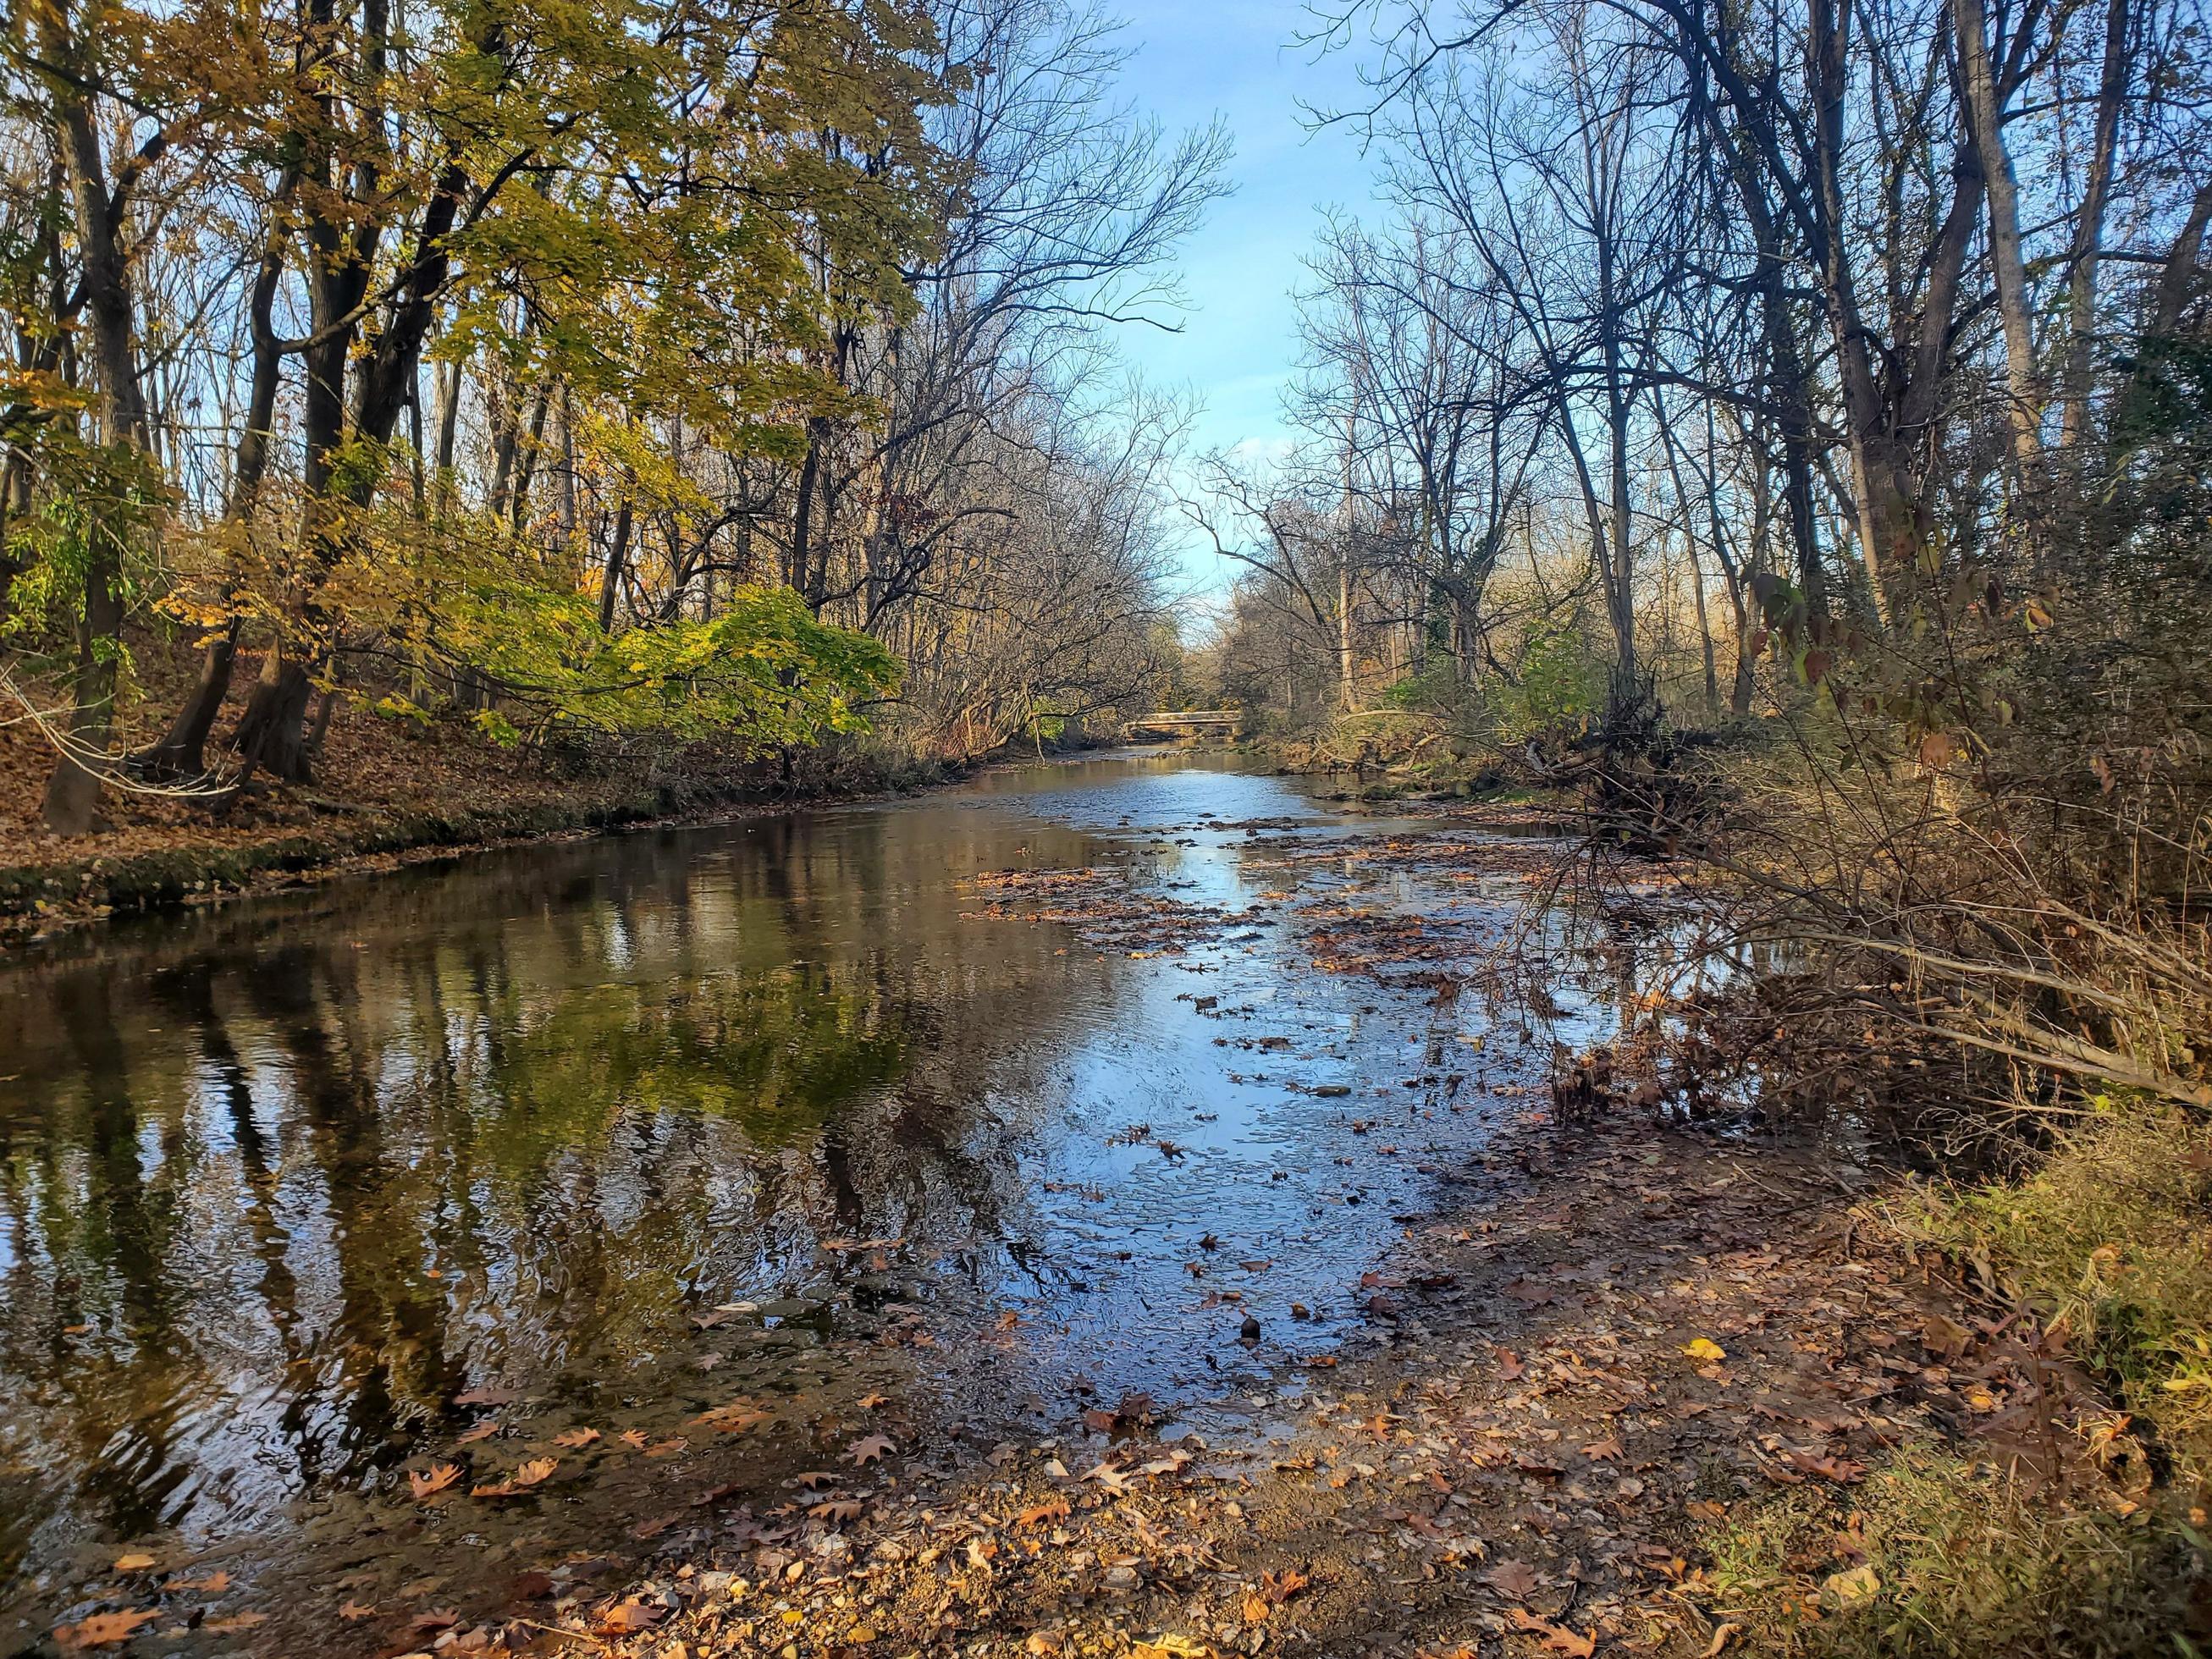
point(434, 1619)
point(1515, 1578)
point(214, 1584)
point(133, 1563)
point(870, 1449)
point(735, 1418)
point(632, 1616)
point(495, 1489)
point(353, 1612)
point(1557, 1638)
point(572, 1438)
point(1841, 1470)
point(103, 1629)
point(1599, 1450)
point(837, 1511)
point(535, 1472)
point(1052, 1509)
point(814, 1479)
point(637, 1437)
point(488, 1397)
point(236, 1621)
point(482, 1432)
point(441, 1476)
point(1723, 1635)
point(1704, 1508)
point(870, 1401)
point(1509, 1368)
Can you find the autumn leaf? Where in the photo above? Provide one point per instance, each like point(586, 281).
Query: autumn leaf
point(482, 1432)
point(353, 1612)
point(441, 1476)
point(636, 1438)
point(488, 1397)
point(630, 1617)
point(735, 1418)
point(1515, 1578)
point(572, 1438)
point(237, 1621)
point(1052, 1509)
point(1705, 1350)
point(1841, 1470)
point(870, 1401)
point(1556, 1638)
point(133, 1563)
point(535, 1471)
point(837, 1510)
point(870, 1449)
point(103, 1629)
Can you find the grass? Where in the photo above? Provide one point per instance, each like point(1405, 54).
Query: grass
point(1941, 1556)
point(2111, 1234)
point(2109, 1239)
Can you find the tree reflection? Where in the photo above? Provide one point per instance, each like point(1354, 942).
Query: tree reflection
point(277, 1185)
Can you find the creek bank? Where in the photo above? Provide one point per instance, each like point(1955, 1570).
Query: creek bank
point(1619, 1341)
point(384, 800)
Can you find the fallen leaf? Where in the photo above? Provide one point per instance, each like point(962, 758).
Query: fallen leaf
point(441, 1476)
point(1705, 1350)
point(837, 1510)
point(214, 1584)
point(1509, 1368)
point(870, 1449)
point(1515, 1578)
point(1556, 1638)
point(632, 1616)
point(870, 1401)
point(103, 1629)
point(574, 1438)
point(735, 1418)
point(133, 1563)
point(1052, 1509)
point(488, 1397)
point(1841, 1470)
point(1852, 1589)
point(637, 1437)
point(482, 1432)
point(1723, 1635)
point(535, 1471)
point(353, 1612)
point(236, 1621)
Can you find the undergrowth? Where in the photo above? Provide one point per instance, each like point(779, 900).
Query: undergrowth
point(1940, 1555)
point(2109, 1240)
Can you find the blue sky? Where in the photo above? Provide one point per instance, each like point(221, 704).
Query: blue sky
point(1195, 59)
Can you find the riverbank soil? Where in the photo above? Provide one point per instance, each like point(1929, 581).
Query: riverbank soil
point(386, 790)
point(1624, 1341)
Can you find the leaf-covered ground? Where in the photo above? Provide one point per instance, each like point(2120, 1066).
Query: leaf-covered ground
point(1568, 1390)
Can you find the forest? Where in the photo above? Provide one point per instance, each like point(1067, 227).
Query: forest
point(1765, 445)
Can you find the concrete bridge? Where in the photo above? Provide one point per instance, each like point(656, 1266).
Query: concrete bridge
point(1187, 722)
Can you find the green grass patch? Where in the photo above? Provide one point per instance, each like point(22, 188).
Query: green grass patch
point(2111, 1234)
point(1939, 1555)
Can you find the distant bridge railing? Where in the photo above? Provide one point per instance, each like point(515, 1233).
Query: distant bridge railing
point(1178, 720)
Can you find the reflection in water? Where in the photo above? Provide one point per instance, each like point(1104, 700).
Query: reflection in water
point(277, 1185)
point(279, 1181)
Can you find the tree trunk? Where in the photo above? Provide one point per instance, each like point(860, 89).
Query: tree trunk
point(1985, 114)
point(72, 800)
